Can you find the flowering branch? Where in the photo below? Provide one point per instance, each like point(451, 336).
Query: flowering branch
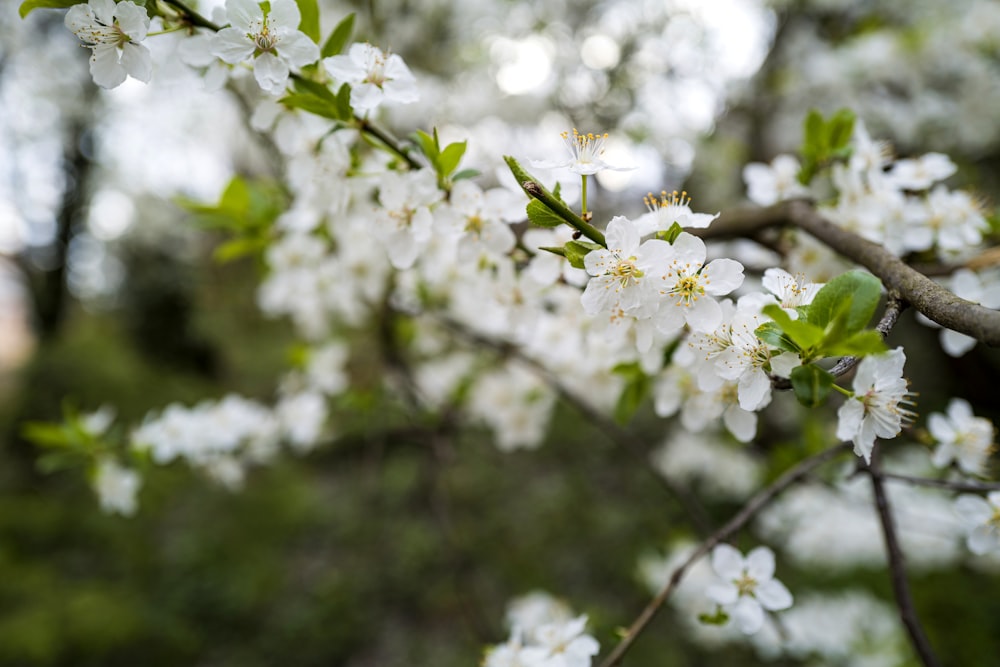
point(897, 571)
point(753, 506)
point(893, 308)
point(918, 290)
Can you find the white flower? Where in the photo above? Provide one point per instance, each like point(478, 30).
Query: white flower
point(921, 173)
point(116, 487)
point(791, 291)
point(874, 411)
point(668, 209)
point(562, 644)
point(98, 422)
point(271, 39)
point(302, 417)
point(586, 151)
point(113, 33)
point(627, 276)
point(688, 284)
point(982, 518)
point(750, 586)
point(374, 77)
point(404, 222)
point(962, 437)
point(750, 361)
point(767, 184)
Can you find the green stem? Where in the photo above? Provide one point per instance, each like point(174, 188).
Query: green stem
point(534, 189)
point(583, 197)
point(845, 392)
point(386, 139)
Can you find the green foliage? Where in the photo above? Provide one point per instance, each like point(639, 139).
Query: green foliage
point(720, 617)
point(824, 141)
point(337, 40)
point(309, 23)
point(443, 160)
point(811, 384)
point(670, 235)
point(575, 251)
point(247, 211)
point(29, 6)
point(541, 215)
point(317, 99)
point(637, 388)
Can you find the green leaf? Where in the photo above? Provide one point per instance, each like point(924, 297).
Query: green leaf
point(804, 334)
point(637, 389)
point(720, 617)
point(57, 461)
point(555, 250)
point(309, 23)
point(772, 334)
point(428, 144)
point(44, 434)
point(312, 104)
point(861, 344)
point(577, 250)
point(344, 109)
point(337, 40)
point(315, 89)
point(855, 293)
point(540, 214)
point(240, 247)
point(671, 234)
point(29, 6)
point(840, 129)
point(811, 384)
point(449, 158)
point(465, 173)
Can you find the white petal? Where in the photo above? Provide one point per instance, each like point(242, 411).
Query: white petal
point(138, 62)
point(983, 539)
point(343, 69)
point(271, 73)
point(284, 14)
point(727, 562)
point(133, 20)
point(690, 249)
point(754, 390)
point(401, 91)
point(760, 563)
point(79, 17)
point(298, 49)
point(739, 422)
point(704, 315)
point(723, 594)
point(749, 615)
point(104, 10)
point(365, 97)
point(244, 14)
point(105, 67)
point(232, 46)
point(774, 596)
point(723, 276)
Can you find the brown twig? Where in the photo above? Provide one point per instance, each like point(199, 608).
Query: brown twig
point(934, 301)
point(951, 485)
point(753, 506)
point(897, 571)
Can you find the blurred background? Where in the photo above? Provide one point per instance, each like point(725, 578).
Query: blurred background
point(394, 553)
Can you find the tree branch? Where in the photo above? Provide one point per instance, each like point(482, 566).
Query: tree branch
point(918, 290)
point(897, 572)
point(951, 485)
point(753, 506)
point(192, 17)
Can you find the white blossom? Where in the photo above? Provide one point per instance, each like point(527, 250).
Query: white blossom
point(876, 408)
point(749, 587)
point(113, 32)
point(962, 437)
point(981, 517)
point(272, 40)
point(586, 155)
point(374, 77)
point(116, 487)
point(689, 285)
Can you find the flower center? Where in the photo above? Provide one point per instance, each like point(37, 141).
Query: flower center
point(626, 272)
point(376, 70)
point(474, 224)
point(586, 148)
point(687, 289)
point(746, 585)
point(666, 200)
point(264, 40)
